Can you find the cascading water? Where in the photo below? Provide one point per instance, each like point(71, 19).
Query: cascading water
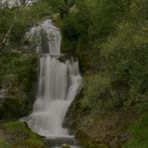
point(45, 38)
point(58, 84)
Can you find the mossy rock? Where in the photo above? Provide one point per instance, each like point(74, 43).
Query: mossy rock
point(87, 142)
point(19, 135)
point(4, 144)
point(65, 146)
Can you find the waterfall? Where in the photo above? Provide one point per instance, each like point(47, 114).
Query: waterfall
point(58, 82)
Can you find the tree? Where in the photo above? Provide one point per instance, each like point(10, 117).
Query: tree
point(64, 9)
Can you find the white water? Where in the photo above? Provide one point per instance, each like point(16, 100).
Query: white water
point(15, 3)
point(45, 38)
point(58, 84)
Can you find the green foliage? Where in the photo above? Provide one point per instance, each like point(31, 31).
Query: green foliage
point(29, 16)
point(110, 39)
point(17, 75)
point(99, 97)
point(4, 144)
point(108, 36)
point(126, 62)
point(65, 146)
point(95, 87)
point(25, 18)
point(87, 25)
point(15, 66)
point(6, 16)
point(91, 23)
point(55, 4)
point(138, 133)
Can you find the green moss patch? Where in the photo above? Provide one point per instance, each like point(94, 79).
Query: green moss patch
point(17, 134)
point(4, 144)
point(138, 133)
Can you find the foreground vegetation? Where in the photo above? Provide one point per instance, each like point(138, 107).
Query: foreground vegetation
point(15, 134)
point(17, 76)
point(110, 39)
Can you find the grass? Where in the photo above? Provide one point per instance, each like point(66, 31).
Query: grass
point(4, 144)
point(138, 133)
point(20, 136)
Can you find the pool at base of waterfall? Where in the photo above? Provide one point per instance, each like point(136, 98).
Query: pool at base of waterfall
point(62, 142)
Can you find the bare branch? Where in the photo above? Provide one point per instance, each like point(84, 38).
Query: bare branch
point(7, 35)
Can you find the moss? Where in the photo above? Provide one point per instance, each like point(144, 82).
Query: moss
point(17, 134)
point(74, 113)
point(4, 144)
point(65, 146)
point(87, 142)
point(138, 133)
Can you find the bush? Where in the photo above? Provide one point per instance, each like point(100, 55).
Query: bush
point(138, 133)
point(98, 95)
point(126, 63)
point(4, 144)
point(17, 76)
point(26, 17)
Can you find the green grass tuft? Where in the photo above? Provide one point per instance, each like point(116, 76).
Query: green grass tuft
point(4, 144)
point(22, 135)
point(138, 133)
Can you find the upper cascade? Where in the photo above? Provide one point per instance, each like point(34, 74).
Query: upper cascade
point(45, 38)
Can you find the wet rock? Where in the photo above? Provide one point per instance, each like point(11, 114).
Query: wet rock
point(65, 146)
point(113, 143)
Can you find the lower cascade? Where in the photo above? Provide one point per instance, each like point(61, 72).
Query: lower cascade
point(58, 84)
